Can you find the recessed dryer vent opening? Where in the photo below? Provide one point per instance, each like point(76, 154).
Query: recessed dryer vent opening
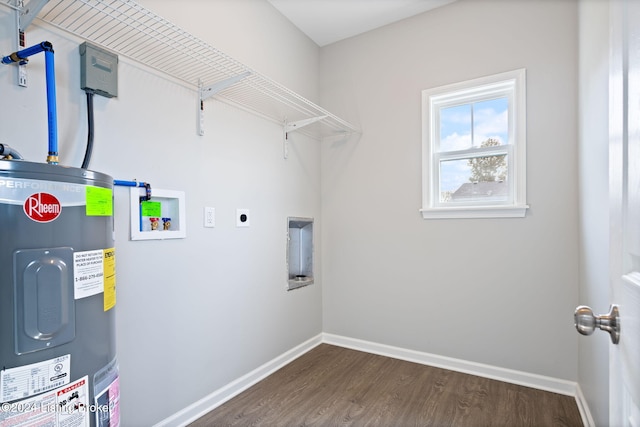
point(299, 252)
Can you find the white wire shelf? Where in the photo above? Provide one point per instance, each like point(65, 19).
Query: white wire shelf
point(126, 28)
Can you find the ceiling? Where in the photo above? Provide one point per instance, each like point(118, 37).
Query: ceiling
point(328, 21)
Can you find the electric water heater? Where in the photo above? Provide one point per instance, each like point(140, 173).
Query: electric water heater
point(57, 297)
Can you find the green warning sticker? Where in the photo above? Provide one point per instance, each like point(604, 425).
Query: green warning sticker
point(99, 201)
point(151, 209)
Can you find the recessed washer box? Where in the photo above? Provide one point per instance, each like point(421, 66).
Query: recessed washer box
point(160, 218)
point(299, 252)
point(98, 70)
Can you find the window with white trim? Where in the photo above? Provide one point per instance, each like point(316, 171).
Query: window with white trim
point(474, 148)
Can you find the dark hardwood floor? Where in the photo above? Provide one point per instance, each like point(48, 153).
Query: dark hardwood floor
point(334, 386)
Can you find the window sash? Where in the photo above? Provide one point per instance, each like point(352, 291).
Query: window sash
point(511, 85)
point(499, 150)
point(436, 107)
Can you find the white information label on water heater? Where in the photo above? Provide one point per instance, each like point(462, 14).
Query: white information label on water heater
point(67, 406)
point(88, 273)
point(28, 380)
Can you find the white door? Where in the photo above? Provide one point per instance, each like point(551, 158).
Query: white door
point(624, 178)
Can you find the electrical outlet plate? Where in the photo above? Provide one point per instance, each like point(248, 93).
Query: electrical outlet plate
point(243, 219)
point(209, 217)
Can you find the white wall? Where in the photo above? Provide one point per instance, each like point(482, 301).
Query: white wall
point(497, 291)
point(192, 314)
point(594, 192)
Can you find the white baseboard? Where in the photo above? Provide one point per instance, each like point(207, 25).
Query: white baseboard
point(218, 397)
point(585, 413)
point(541, 382)
point(555, 385)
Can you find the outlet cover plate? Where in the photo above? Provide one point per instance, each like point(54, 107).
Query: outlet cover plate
point(209, 217)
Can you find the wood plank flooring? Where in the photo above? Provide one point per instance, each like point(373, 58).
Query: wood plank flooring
point(334, 386)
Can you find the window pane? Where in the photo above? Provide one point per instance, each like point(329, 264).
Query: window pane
point(491, 122)
point(453, 174)
point(455, 128)
point(476, 178)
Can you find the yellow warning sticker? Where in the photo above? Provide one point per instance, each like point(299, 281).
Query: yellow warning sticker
point(99, 201)
point(109, 278)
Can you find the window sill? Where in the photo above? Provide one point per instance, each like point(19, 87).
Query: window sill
point(475, 212)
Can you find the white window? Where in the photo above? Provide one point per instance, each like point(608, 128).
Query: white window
point(473, 142)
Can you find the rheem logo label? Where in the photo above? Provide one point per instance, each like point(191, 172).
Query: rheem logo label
point(42, 207)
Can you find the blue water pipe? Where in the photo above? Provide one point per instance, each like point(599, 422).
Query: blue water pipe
point(129, 183)
point(52, 111)
point(144, 198)
point(134, 184)
point(52, 114)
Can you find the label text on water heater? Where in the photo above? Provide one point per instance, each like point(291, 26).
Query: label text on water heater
point(42, 207)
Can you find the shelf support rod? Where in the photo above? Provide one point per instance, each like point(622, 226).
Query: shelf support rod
point(294, 126)
point(207, 92)
point(24, 17)
point(30, 11)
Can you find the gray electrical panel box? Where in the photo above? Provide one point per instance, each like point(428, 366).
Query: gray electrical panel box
point(98, 70)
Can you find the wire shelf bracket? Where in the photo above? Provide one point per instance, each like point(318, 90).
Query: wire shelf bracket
point(295, 126)
point(212, 90)
point(128, 29)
